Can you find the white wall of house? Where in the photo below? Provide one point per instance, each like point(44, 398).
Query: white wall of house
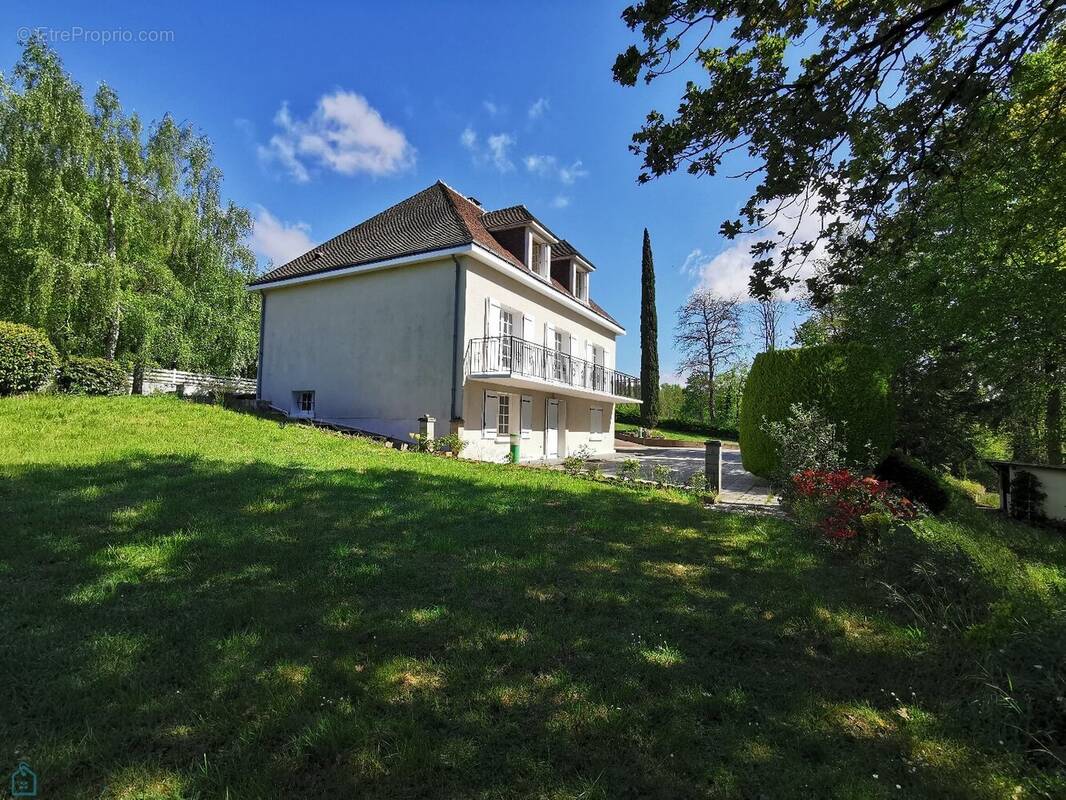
point(576, 423)
point(375, 347)
point(536, 318)
point(534, 311)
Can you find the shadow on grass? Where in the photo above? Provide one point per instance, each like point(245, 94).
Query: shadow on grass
point(180, 626)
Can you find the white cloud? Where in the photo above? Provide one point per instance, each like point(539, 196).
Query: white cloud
point(499, 144)
point(545, 165)
point(495, 151)
point(279, 241)
point(727, 273)
point(491, 108)
point(541, 165)
point(560, 201)
point(570, 174)
point(344, 134)
point(536, 111)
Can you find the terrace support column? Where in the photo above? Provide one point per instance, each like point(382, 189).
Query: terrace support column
point(713, 465)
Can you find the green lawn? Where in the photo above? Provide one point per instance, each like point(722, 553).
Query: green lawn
point(672, 433)
point(198, 603)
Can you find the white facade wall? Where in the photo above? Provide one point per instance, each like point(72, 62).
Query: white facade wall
point(375, 347)
point(575, 416)
point(536, 317)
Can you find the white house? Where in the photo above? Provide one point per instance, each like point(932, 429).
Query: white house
point(437, 307)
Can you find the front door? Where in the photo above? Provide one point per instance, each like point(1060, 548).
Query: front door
point(551, 430)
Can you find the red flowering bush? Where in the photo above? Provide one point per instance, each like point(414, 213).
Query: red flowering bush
point(844, 506)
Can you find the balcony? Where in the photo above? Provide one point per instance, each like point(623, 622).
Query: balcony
point(512, 361)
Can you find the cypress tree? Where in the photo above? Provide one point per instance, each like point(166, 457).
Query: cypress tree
point(649, 340)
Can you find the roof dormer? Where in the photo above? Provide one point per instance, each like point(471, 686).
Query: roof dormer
point(524, 237)
point(572, 270)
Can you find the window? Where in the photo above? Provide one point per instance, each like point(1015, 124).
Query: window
point(559, 358)
point(595, 424)
point(303, 403)
point(506, 332)
point(581, 285)
point(503, 417)
point(539, 260)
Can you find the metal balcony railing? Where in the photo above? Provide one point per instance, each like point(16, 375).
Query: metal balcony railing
point(511, 355)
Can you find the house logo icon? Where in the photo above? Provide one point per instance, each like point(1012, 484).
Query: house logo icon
point(23, 781)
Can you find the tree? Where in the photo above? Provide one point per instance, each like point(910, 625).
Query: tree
point(708, 336)
point(842, 107)
point(768, 314)
point(116, 241)
point(649, 340)
point(967, 289)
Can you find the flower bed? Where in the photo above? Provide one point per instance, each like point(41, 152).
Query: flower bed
point(845, 506)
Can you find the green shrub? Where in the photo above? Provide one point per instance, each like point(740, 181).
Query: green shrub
point(915, 481)
point(92, 376)
point(847, 383)
point(629, 470)
point(27, 359)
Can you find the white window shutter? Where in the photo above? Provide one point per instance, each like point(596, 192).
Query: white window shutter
point(588, 351)
point(549, 335)
point(493, 319)
point(491, 415)
point(596, 424)
point(529, 332)
point(527, 416)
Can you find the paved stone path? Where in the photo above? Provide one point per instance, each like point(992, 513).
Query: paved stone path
point(739, 487)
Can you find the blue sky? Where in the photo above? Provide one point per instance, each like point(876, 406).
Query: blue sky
point(509, 102)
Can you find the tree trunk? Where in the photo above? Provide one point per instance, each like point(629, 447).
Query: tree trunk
point(111, 346)
point(138, 377)
point(1053, 414)
point(710, 396)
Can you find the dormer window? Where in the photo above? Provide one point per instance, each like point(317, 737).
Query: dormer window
point(581, 285)
point(540, 258)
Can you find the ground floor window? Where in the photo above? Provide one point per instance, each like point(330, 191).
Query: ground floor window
point(596, 424)
point(503, 417)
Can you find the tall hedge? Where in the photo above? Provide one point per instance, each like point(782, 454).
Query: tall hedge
point(27, 358)
point(848, 383)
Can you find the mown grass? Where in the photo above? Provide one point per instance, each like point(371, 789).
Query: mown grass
point(202, 604)
point(673, 433)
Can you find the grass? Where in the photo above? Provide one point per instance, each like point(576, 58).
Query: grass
point(202, 604)
point(672, 433)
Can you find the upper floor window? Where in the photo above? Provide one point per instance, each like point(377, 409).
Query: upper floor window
point(538, 258)
point(581, 285)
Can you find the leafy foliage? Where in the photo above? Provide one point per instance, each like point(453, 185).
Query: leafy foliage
point(27, 359)
point(844, 506)
point(649, 339)
point(81, 375)
point(847, 383)
point(966, 289)
point(916, 480)
point(115, 239)
point(842, 106)
point(805, 440)
point(1026, 497)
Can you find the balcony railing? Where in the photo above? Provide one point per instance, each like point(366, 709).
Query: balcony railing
point(511, 355)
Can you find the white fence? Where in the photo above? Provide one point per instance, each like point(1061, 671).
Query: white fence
point(168, 380)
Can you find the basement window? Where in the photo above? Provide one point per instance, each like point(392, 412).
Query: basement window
point(303, 403)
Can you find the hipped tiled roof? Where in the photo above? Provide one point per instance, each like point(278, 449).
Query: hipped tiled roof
point(437, 218)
